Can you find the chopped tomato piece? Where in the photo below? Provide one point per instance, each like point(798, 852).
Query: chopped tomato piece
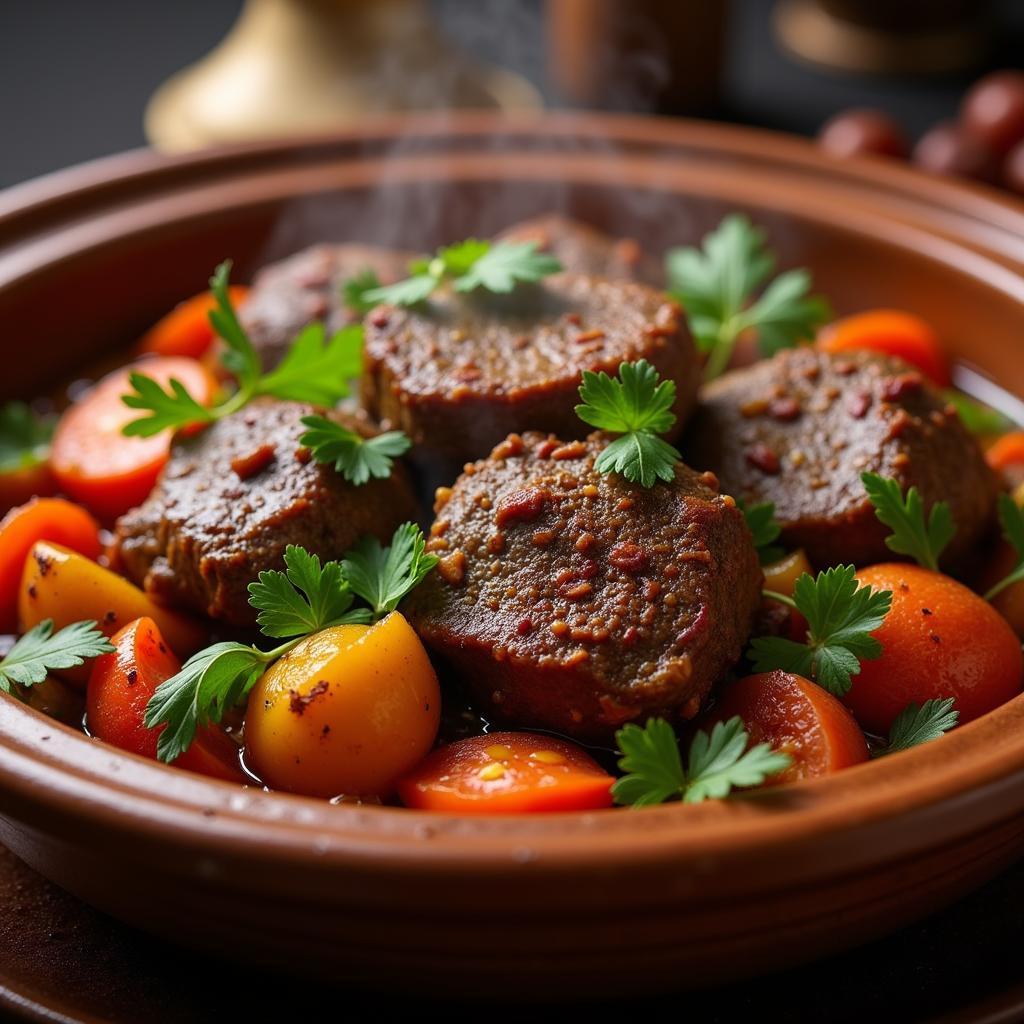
point(94, 461)
point(52, 519)
point(892, 332)
point(798, 717)
point(507, 773)
point(939, 640)
point(120, 687)
point(186, 330)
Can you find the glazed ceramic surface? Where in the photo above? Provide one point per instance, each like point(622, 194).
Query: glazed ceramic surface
point(615, 901)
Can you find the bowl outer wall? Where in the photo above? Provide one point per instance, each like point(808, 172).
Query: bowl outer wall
point(587, 902)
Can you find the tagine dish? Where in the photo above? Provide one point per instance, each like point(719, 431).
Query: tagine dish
point(545, 522)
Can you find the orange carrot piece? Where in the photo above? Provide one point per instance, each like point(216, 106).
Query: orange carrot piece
point(891, 332)
point(186, 330)
point(52, 519)
point(93, 460)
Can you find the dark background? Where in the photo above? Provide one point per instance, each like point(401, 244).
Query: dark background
point(75, 75)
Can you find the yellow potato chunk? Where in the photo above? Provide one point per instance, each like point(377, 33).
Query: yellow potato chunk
point(781, 576)
point(64, 586)
point(345, 713)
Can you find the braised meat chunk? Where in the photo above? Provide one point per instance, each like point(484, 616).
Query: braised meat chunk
point(232, 498)
point(309, 286)
point(575, 601)
point(460, 371)
point(800, 429)
point(586, 250)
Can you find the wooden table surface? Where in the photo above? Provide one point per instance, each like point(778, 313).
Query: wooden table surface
point(62, 961)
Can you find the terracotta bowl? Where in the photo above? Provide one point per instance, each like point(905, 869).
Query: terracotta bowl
point(592, 903)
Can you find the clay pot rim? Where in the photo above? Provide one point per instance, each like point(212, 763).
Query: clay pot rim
point(46, 767)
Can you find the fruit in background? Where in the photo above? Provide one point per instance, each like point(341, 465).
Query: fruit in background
point(949, 149)
point(863, 131)
point(1013, 169)
point(992, 111)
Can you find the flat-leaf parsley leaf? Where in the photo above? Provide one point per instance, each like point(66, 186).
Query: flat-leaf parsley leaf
point(357, 458)
point(716, 285)
point(920, 723)
point(841, 616)
point(913, 535)
point(41, 651)
point(316, 369)
point(717, 763)
point(638, 407)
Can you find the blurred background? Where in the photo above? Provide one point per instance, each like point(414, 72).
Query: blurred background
point(81, 80)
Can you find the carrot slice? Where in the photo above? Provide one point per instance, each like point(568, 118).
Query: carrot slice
point(120, 687)
point(52, 519)
point(186, 330)
point(94, 462)
point(1007, 451)
point(892, 332)
point(507, 773)
point(797, 716)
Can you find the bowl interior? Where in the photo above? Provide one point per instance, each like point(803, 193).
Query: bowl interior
point(94, 256)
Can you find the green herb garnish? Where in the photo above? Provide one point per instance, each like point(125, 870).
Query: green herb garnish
point(357, 458)
point(840, 615)
point(41, 651)
point(383, 576)
point(1011, 518)
point(354, 290)
point(315, 370)
point(716, 764)
point(716, 285)
point(765, 528)
point(304, 599)
point(494, 266)
point(24, 437)
point(976, 417)
point(913, 535)
point(639, 408)
point(919, 723)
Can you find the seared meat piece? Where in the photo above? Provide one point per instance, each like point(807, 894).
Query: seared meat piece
point(231, 500)
point(460, 372)
point(288, 295)
point(799, 429)
point(572, 600)
point(586, 250)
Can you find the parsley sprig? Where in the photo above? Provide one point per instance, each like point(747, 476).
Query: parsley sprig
point(382, 576)
point(304, 599)
point(316, 369)
point(1011, 518)
point(638, 407)
point(765, 529)
point(922, 539)
point(919, 723)
point(716, 764)
point(716, 285)
point(24, 437)
point(357, 458)
point(496, 267)
point(41, 651)
point(841, 616)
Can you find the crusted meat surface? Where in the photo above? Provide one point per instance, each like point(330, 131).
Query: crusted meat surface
point(232, 498)
point(575, 601)
point(800, 428)
point(288, 295)
point(459, 372)
point(586, 250)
